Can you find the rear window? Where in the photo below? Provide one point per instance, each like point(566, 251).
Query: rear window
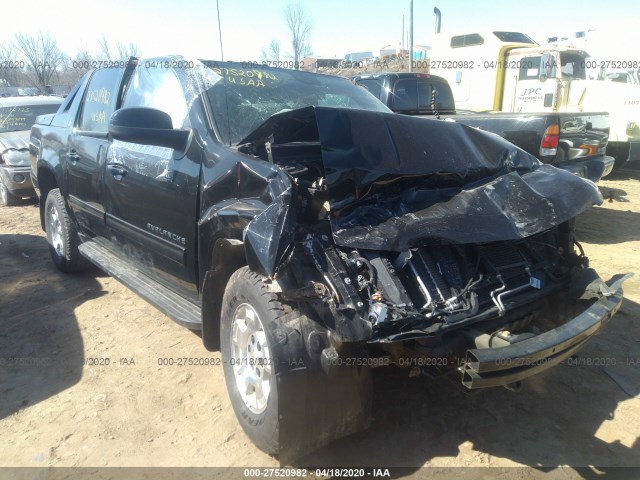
point(23, 117)
point(416, 94)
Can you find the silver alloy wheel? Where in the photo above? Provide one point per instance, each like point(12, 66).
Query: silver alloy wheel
point(4, 193)
point(251, 358)
point(55, 228)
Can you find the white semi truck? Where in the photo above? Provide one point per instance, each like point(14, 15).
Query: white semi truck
point(509, 72)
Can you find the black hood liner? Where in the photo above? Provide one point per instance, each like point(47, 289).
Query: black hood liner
point(396, 181)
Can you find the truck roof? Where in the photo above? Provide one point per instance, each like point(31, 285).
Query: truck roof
point(486, 36)
point(552, 46)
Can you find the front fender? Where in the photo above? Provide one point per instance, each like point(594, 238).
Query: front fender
point(227, 256)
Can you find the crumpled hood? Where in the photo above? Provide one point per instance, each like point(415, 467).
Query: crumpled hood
point(17, 140)
point(395, 181)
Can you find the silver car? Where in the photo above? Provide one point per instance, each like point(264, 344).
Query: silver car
point(17, 114)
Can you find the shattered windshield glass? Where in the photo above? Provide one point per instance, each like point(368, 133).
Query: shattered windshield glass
point(255, 94)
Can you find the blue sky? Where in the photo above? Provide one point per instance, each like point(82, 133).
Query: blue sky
point(340, 26)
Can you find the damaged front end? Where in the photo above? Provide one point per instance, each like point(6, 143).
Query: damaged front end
point(445, 249)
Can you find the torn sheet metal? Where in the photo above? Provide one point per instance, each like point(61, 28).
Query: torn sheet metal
point(395, 181)
point(270, 234)
point(258, 200)
point(511, 207)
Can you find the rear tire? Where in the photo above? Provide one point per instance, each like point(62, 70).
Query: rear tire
point(62, 235)
point(256, 346)
point(619, 151)
point(7, 199)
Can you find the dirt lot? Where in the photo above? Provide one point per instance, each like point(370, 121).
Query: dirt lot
point(59, 408)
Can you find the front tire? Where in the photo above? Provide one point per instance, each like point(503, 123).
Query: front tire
point(6, 197)
point(62, 235)
point(255, 345)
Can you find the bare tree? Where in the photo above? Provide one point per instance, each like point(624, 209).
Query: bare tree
point(42, 56)
point(271, 53)
point(122, 51)
point(79, 65)
point(105, 49)
point(129, 50)
point(9, 66)
point(300, 27)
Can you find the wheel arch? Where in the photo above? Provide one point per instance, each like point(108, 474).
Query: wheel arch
point(227, 256)
point(46, 182)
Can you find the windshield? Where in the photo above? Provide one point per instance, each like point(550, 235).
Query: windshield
point(572, 66)
point(255, 94)
point(23, 117)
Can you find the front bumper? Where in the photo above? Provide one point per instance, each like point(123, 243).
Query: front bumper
point(591, 168)
point(17, 180)
point(491, 367)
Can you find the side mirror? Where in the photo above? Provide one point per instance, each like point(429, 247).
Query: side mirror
point(147, 126)
point(547, 67)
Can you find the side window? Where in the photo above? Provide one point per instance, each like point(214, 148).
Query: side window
point(530, 67)
point(100, 100)
point(63, 116)
point(161, 89)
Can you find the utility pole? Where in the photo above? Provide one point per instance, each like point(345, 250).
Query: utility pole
point(403, 36)
point(411, 35)
point(220, 31)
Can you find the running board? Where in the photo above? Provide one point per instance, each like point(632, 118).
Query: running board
point(167, 301)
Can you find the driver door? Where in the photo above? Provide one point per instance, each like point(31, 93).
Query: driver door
point(537, 86)
point(151, 192)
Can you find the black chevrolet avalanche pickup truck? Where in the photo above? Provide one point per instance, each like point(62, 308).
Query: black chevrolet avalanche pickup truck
point(313, 235)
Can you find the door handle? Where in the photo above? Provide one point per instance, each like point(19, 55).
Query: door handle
point(117, 170)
